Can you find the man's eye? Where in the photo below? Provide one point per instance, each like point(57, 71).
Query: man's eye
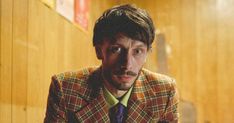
point(138, 51)
point(115, 49)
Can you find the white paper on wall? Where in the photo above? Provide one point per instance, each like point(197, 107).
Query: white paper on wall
point(66, 9)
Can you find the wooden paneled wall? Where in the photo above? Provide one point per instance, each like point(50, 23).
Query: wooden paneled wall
point(36, 43)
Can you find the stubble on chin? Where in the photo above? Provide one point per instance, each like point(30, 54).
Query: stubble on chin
point(123, 86)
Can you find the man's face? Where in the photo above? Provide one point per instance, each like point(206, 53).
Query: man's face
point(122, 60)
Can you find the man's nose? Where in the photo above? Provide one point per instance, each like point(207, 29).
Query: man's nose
point(126, 61)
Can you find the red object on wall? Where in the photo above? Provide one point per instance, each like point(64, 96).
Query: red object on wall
point(82, 13)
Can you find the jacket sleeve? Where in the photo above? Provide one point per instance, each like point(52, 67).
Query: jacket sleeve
point(171, 114)
point(56, 108)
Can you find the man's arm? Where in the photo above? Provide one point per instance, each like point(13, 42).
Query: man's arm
point(55, 112)
point(171, 112)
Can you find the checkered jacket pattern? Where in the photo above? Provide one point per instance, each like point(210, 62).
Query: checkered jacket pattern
point(76, 97)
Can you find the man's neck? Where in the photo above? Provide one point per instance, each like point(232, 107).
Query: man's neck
point(115, 92)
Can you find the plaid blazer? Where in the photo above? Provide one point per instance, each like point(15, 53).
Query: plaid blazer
point(78, 97)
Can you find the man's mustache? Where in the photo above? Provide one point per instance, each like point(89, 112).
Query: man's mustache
point(129, 73)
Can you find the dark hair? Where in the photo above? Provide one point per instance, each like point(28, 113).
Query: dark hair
point(127, 19)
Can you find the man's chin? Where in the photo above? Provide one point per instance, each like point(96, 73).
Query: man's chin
point(123, 87)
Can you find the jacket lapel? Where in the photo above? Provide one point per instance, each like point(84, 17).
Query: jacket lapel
point(96, 109)
point(139, 105)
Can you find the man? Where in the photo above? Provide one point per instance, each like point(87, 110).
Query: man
point(120, 90)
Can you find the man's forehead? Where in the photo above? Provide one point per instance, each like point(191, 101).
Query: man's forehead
point(123, 39)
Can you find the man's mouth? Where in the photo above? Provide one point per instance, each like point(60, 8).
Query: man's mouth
point(125, 78)
point(125, 73)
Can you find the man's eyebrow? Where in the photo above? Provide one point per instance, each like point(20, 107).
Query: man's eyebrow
point(116, 44)
point(140, 45)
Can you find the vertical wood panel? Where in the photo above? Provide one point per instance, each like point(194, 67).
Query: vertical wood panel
point(0, 36)
point(173, 37)
point(61, 47)
point(51, 42)
point(19, 57)
point(6, 61)
point(153, 8)
point(225, 60)
point(188, 53)
point(37, 84)
point(207, 70)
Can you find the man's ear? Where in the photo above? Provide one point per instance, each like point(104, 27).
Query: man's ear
point(98, 52)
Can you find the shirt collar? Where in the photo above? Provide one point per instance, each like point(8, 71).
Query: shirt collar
point(112, 101)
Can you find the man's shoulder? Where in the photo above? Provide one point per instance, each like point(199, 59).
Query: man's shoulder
point(157, 80)
point(79, 76)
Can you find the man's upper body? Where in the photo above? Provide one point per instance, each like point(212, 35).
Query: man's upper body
point(80, 97)
point(120, 90)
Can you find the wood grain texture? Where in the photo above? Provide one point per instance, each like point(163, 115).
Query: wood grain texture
point(225, 58)
point(20, 61)
point(37, 85)
point(6, 61)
